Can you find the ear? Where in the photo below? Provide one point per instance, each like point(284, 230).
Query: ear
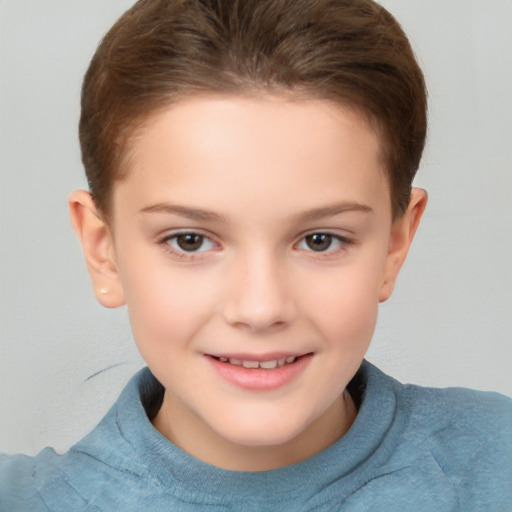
point(98, 246)
point(402, 234)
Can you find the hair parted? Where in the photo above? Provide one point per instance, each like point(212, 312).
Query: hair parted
point(160, 51)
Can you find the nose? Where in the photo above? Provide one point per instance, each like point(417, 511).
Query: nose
point(259, 295)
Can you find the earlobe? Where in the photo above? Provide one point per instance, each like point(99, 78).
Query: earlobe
point(98, 247)
point(402, 235)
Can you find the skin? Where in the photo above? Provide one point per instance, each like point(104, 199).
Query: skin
point(254, 177)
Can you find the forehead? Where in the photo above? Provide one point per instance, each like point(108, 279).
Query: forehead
point(208, 150)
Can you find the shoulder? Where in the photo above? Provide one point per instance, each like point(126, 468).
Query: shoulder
point(456, 421)
point(448, 449)
point(39, 483)
point(477, 417)
point(83, 477)
point(16, 473)
point(465, 436)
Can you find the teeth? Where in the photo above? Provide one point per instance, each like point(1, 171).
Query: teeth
point(267, 365)
point(250, 364)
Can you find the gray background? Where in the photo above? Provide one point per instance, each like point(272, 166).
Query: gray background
point(449, 322)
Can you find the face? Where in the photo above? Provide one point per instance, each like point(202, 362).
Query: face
point(252, 240)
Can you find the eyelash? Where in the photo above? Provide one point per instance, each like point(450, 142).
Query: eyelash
point(342, 242)
point(181, 254)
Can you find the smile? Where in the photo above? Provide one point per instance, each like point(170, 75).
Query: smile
point(263, 373)
point(252, 364)
point(260, 372)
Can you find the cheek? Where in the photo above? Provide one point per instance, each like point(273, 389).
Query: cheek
point(165, 305)
point(344, 303)
point(351, 314)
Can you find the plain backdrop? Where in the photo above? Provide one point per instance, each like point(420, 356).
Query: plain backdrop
point(64, 359)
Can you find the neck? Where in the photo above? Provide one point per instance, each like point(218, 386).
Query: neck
point(203, 443)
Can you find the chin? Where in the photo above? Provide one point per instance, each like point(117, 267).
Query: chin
point(261, 439)
point(272, 432)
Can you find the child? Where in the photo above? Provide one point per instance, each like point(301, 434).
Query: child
point(250, 168)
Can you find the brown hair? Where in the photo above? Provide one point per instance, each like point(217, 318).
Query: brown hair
point(349, 51)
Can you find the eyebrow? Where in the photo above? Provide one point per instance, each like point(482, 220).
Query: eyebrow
point(332, 210)
point(207, 215)
point(183, 211)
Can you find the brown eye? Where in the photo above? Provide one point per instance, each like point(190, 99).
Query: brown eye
point(319, 241)
point(188, 245)
point(189, 241)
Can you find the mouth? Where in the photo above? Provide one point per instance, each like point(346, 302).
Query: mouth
point(260, 373)
point(254, 364)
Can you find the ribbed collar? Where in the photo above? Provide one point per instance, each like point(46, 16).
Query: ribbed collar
point(348, 463)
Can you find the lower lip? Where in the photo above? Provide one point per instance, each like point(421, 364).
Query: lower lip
point(260, 379)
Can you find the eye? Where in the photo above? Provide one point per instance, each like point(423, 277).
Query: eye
point(189, 242)
point(318, 242)
point(322, 242)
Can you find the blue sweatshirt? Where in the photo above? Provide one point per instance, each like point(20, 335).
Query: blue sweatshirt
point(410, 449)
